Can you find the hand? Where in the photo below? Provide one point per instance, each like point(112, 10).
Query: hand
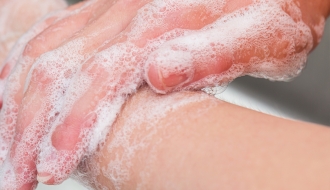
point(268, 39)
point(75, 109)
point(80, 26)
point(23, 55)
point(16, 17)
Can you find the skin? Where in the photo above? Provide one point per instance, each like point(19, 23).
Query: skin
point(210, 144)
point(24, 18)
point(86, 23)
point(313, 13)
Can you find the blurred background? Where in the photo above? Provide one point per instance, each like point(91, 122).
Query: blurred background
point(305, 98)
point(72, 1)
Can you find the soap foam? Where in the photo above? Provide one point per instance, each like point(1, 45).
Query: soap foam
point(17, 50)
point(260, 27)
point(125, 144)
point(49, 64)
point(13, 24)
point(53, 66)
point(125, 63)
point(123, 79)
point(261, 17)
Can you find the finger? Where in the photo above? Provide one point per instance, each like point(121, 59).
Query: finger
point(64, 155)
point(16, 17)
point(19, 170)
point(7, 173)
point(9, 114)
point(15, 85)
point(36, 29)
point(13, 100)
point(63, 66)
point(33, 32)
point(85, 123)
point(18, 49)
point(273, 47)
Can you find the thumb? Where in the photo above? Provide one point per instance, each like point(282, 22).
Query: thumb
point(262, 41)
point(184, 61)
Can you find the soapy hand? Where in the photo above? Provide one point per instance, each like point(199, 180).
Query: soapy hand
point(64, 95)
point(16, 17)
point(267, 39)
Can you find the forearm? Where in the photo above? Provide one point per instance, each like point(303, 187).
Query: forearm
point(209, 144)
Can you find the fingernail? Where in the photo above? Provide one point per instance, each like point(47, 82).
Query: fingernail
point(153, 79)
point(162, 83)
point(173, 80)
point(45, 178)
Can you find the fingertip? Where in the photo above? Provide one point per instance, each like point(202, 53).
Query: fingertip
point(68, 135)
point(60, 158)
point(153, 79)
point(56, 166)
point(45, 178)
point(163, 84)
point(64, 138)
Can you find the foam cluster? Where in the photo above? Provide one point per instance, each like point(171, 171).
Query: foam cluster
point(121, 68)
point(234, 34)
point(17, 17)
point(71, 89)
point(261, 40)
point(14, 87)
point(117, 155)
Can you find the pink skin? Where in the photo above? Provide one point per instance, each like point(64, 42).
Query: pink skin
point(34, 50)
point(313, 15)
point(71, 125)
point(110, 86)
point(29, 38)
point(82, 112)
point(17, 50)
point(22, 148)
point(36, 93)
point(16, 17)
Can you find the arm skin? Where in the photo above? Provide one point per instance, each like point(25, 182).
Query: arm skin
point(210, 144)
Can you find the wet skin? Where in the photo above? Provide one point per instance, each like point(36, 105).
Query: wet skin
point(100, 32)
